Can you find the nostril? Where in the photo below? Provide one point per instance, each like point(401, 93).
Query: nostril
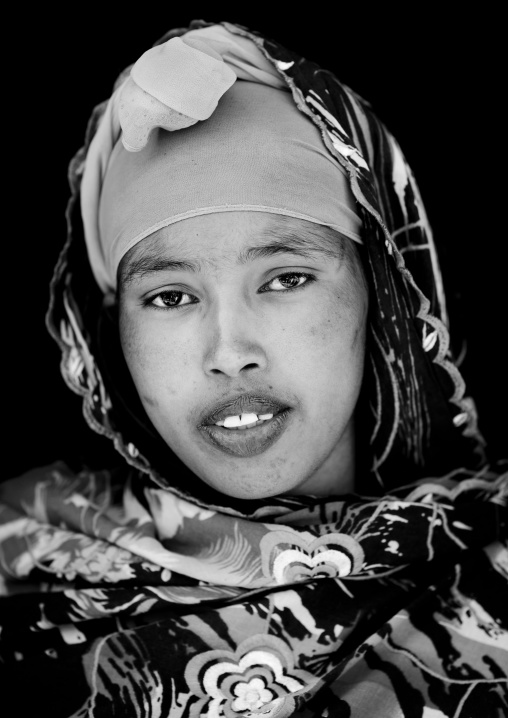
point(252, 365)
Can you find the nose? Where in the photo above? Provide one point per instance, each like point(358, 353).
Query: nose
point(234, 343)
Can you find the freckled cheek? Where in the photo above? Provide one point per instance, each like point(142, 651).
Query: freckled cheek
point(158, 363)
point(333, 368)
point(334, 331)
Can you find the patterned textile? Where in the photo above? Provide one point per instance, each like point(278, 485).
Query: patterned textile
point(141, 592)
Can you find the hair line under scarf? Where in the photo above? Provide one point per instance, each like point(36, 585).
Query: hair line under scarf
point(233, 208)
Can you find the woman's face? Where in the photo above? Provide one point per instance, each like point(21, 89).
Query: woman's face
point(244, 333)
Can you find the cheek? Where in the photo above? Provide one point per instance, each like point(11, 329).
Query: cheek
point(332, 339)
point(334, 378)
point(333, 374)
point(159, 364)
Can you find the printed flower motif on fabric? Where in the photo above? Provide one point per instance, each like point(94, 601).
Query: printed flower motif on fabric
point(258, 679)
point(63, 553)
point(289, 555)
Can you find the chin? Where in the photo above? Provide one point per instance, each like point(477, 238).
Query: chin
point(249, 490)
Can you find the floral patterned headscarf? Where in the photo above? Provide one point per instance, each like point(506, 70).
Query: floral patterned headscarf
point(143, 592)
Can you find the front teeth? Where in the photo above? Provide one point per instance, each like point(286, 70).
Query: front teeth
point(243, 421)
point(232, 422)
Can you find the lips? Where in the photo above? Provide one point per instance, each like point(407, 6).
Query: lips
point(245, 404)
point(252, 441)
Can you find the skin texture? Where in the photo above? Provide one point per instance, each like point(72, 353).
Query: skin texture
point(237, 332)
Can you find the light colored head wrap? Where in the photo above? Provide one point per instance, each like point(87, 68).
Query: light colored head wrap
point(255, 151)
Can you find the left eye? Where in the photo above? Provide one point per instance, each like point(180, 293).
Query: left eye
point(285, 282)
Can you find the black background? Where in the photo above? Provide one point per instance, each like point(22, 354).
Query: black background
point(437, 82)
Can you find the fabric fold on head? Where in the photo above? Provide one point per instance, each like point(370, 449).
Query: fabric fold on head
point(238, 159)
point(240, 54)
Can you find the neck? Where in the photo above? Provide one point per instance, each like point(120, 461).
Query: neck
point(336, 475)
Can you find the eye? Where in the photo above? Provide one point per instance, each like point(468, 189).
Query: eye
point(171, 299)
point(287, 282)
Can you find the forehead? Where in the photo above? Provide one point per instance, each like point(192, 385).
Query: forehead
point(232, 237)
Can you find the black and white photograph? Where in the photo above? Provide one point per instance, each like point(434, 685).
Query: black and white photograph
point(255, 333)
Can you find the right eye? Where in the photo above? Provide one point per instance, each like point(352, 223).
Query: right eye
point(171, 299)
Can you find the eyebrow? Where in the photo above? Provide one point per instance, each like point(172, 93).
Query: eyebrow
point(309, 245)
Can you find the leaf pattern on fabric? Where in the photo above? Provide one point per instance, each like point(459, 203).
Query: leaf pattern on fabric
point(120, 676)
point(404, 569)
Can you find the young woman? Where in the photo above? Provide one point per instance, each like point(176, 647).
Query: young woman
point(302, 522)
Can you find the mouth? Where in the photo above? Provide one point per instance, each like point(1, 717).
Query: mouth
point(246, 426)
point(252, 440)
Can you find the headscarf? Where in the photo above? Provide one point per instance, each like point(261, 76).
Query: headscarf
point(213, 166)
point(143, 592)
